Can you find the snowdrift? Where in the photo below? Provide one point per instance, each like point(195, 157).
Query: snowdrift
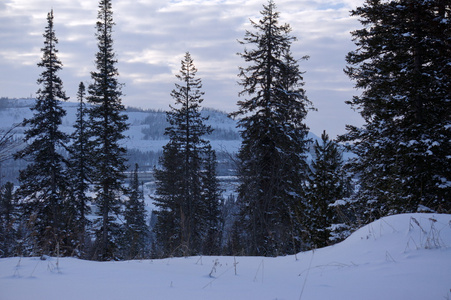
point(398, 257)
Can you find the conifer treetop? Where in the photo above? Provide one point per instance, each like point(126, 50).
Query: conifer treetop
point(52, 84)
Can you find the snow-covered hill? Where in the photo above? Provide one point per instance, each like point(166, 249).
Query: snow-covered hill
point(145, 136)
point(146, 132)
point(399, 257)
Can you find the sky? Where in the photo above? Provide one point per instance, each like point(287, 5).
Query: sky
point(152, 36)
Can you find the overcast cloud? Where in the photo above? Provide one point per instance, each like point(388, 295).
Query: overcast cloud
point(151, 37)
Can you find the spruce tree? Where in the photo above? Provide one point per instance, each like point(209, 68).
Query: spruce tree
point(107, 124)
point(80, 171)
point(327, 184)
point(180, 227)
point(136, 230)
point(8, 216)
point(272, 158)
point(43, 183)
point(211, 195)
point(402, 64)
point(168, 199)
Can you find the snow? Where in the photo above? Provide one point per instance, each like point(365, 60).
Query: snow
point(338, 203)
point(398, 257)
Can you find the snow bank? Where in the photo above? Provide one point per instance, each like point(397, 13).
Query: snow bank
point(399, 257)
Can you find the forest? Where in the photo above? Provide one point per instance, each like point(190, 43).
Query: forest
point(78, 191)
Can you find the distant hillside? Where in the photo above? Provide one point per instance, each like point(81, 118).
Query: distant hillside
point(145, 125)
point(145, 136)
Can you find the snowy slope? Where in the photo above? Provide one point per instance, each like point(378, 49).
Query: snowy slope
point(399, 257)
point(15, 110)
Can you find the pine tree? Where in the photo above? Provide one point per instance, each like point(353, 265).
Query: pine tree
point(43, 184)
point(327, 184)
point(272, 156)
point(179, 227)
point(136, 229)
point(403, 66)
point(80, 170)
point(107, 123)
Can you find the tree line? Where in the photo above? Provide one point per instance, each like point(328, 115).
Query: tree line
point(284, 204)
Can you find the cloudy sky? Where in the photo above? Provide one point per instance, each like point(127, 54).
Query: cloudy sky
point(151, 37)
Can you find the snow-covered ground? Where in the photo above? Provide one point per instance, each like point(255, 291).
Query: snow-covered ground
point(399, 257)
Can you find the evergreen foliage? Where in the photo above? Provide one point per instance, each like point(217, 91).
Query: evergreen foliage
point(402, 64)
point(107, 123)
point(327, 184)
point(136, 231)
point(8, 216)
point(80, 171)
point(212, 201)
point(181, 194)
point(168, 200)
point(272, 156)
point(232, 232)
point(43, 183)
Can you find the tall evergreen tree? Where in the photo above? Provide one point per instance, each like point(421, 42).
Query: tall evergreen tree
point(43, 183)
point(272, 156)
point(136, 230)
point(179, 183)
point(328, 183)
point(80, 170)
point(403, 66)
point(168, 200)
point(107, 124)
